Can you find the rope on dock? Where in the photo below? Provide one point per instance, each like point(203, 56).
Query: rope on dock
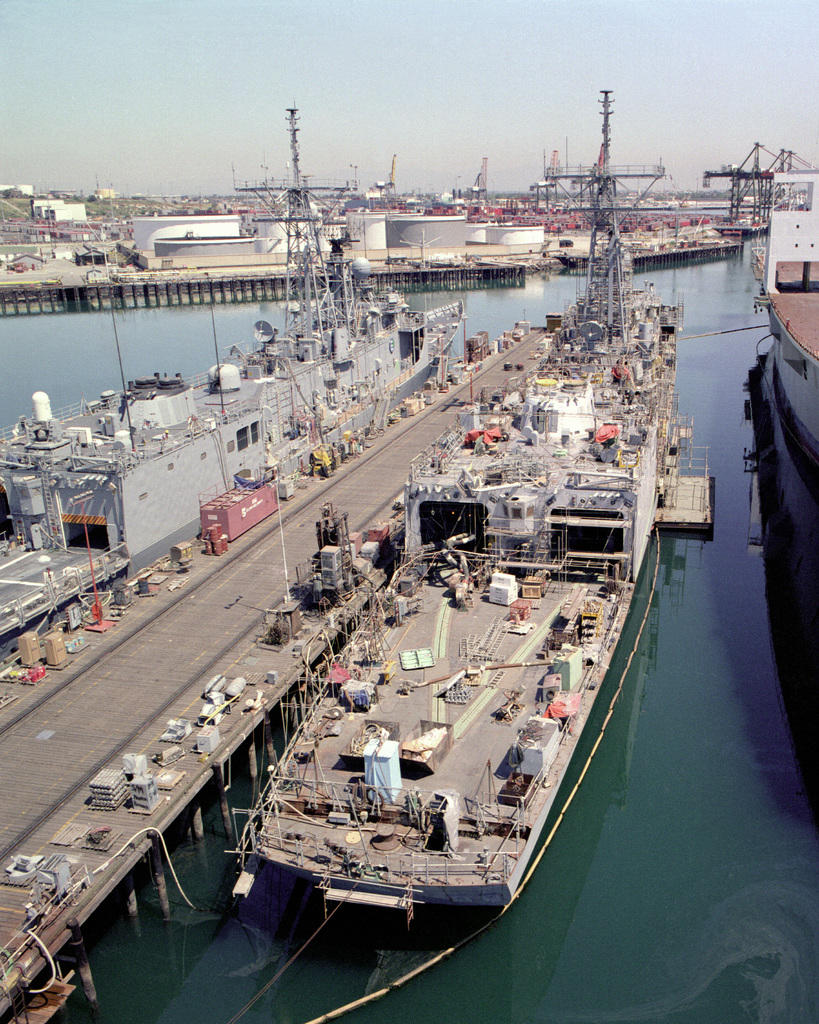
point(400, 982)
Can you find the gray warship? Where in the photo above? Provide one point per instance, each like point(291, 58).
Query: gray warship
point(436, 749)
point(123, 477)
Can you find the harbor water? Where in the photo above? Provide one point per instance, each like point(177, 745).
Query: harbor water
point(683, 884)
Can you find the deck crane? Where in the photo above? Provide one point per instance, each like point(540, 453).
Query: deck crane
point(750, 178)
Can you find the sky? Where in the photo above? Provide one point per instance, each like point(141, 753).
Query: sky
point(179, 97)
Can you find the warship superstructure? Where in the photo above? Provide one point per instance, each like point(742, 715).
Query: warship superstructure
point(125, 475)
point(433, 753)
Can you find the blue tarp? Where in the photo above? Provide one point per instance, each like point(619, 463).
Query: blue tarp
point(245, 484)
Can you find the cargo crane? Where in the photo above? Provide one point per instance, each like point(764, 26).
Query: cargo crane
point(750, 178)
point(548, 182)
point(387, 188)
point(479, 194)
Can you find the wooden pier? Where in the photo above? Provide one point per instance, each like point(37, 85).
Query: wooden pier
point(124, 684)
point(683, 255)
point(195, 288)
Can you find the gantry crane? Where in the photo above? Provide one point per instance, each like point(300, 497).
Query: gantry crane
point(750, 178)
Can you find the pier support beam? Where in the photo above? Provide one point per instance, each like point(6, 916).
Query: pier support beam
point(252, 764)
point(83, 967)
point(159, 874)
point(197, 828)
point(129, 896)
point(219, 779)
point(268, 739)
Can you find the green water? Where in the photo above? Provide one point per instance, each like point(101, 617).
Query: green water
point(683, 886)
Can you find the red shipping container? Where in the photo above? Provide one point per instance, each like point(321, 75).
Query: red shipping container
point(237, 510)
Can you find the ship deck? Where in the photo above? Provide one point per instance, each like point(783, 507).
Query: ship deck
point(797, 312)
point(464, 736)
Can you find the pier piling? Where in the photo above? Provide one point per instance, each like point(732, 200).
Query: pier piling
point(159, 874)
point(268, 739)
point(197, 828)
point(129, 896)
point(252, 763)
point(83, 967)
point(219, 779)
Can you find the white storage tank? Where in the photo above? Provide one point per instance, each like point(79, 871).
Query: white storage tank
point(367, 229)
point(520, 237)
point(148, 229)
point(411, 229)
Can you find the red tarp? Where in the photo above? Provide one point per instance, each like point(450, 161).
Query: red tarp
point(339, 674)
point(562, 709)
point(607, 432)
point(489, 436)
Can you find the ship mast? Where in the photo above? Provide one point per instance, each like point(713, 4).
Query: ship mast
point(601, 309)
point(318, 294)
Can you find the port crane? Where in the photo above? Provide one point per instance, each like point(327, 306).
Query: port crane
point(549, 174)
point(387, 188)
point(479, 194)
point(751, 178)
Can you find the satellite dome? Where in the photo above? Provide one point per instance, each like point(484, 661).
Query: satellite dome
point(361, 268)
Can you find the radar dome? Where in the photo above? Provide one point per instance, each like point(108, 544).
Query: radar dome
point(225, 377)
point(41, 406)
point(361, 268)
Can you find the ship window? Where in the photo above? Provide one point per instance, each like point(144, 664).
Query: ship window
point(231, 446)
point(242, 438)
point(254, 432)
point(204, 455)
point(143, 496)
point(170, 465)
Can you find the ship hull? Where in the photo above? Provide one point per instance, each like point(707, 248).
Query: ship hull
point(794, 388)
point(787, 482)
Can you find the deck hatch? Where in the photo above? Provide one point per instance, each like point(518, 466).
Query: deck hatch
point(419, 658)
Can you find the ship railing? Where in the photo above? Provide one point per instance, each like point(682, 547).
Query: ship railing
point(68, 412)
point(58, 587)
point(434, 868)
point(439, 454)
